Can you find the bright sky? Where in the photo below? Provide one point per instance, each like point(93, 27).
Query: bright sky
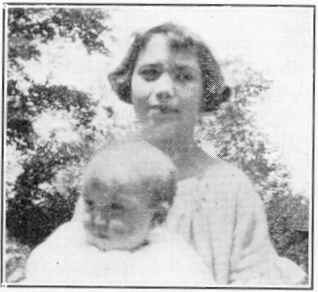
point(276, 41)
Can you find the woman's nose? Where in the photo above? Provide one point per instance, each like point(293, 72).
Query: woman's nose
point(163, 95)
point(163, 89)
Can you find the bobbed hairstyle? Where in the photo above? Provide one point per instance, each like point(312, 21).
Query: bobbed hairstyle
point(215, 91)
point(135, 163)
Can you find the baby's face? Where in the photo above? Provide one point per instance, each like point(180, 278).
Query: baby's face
point(117, 218)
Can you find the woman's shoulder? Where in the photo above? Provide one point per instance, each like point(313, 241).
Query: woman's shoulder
point(223, 181)
point(215, 176)
point(222, 172)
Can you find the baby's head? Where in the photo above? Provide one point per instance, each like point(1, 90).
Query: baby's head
point(127, 190)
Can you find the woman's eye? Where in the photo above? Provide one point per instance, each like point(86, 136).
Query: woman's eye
point(116, 207)
point(150, 74)
point(183, 76)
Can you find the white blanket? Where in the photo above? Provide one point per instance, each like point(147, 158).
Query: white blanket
point(66, 259)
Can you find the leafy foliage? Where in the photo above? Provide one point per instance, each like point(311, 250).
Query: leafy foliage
point(29, 26)
point(22, 108)
point(288, 221)
point(16, 255)
point(35, 204)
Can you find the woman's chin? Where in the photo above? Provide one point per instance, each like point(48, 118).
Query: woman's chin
point(160, 132)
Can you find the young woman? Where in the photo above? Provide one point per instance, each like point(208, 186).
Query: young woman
point(171, 77)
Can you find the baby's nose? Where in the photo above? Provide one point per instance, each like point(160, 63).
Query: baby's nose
point(118, 227)
point(101, 219)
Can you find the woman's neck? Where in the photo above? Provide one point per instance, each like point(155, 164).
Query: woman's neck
point(183, 153)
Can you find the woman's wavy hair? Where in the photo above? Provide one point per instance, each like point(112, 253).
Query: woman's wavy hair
point(215, 91)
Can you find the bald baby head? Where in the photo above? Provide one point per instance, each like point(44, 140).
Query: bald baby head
point(127, 188)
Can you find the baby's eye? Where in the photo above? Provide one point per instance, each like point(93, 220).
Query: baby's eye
point(150, 74)
point(89, 203)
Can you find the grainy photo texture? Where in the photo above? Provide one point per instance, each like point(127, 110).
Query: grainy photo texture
point(158, 146)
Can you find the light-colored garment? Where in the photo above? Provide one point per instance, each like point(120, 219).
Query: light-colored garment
point(220, 214)
point(65, 258)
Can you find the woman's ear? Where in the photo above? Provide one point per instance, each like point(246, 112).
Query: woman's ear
point(212, 101)
point(225, 93)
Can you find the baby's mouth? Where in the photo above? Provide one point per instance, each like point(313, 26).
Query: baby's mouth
point(100, 234)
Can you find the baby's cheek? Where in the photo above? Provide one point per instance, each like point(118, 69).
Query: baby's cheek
point(88, 219)
point(87, 223)
point(129, 224)
point(119, 227)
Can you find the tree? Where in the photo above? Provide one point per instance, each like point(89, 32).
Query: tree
point(34, 204)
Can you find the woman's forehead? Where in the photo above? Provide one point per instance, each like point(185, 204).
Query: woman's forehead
point(161, 47)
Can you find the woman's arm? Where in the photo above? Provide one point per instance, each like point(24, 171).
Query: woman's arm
point(254, 260)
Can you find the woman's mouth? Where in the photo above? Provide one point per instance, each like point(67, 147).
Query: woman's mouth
point(162, 112)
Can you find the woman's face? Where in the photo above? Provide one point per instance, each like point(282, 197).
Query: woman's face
point(166, 90)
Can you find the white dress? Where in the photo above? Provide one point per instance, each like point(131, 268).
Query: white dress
point(221, 216)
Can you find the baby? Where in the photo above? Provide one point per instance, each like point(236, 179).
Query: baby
point(117, 235)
